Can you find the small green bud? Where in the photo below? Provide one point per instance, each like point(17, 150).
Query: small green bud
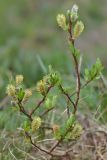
point(74, 50)
point(94, 71)
point(74, 17)
point(70, 121)
point(54, 78)
point(50, 102)
point(68, 126)
point(20, 94)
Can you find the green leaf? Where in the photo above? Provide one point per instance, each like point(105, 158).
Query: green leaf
point(77, 53)
point(50, 102)
point(68, 125)
point(75, 132)
point(21, 94)
point(94, 71)
point(26, 125)
point(70, 121)
point(54, 77)
point(87, 74)
point(72, 48)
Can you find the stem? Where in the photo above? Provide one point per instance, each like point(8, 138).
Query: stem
point(67, 95)
point(24, 111)
point(55, 145)
point(37, 147)
point(76, 66)
point(41, 101)
point(68, 110)
point(78, 86)
point(45, 112)
point(84, 85)
point(58, 142)
point(78, 82)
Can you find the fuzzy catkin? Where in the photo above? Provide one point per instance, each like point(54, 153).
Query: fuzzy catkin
point(36, 123)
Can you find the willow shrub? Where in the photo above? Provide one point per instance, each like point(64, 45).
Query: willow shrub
point(36, 121)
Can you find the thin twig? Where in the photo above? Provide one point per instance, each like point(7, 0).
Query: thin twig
point(55, 145)
point(78, 86)
point(24, 111)
point(84, 85)
point(45, 112)
point(67, 95)
point(41, 101)
point(68, 110)
point(37, 147)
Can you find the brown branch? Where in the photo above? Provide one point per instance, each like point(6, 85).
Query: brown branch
point(45, 112)
point(24, 111)
point(55, 145)
point(37, 147)
point(38, 105)
point(41, 101)
point(83, 86)
point(78, 82)
point(67, 95)
point(76, 66)
point(68, 110)
point(59, 141)
point(78, 88)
